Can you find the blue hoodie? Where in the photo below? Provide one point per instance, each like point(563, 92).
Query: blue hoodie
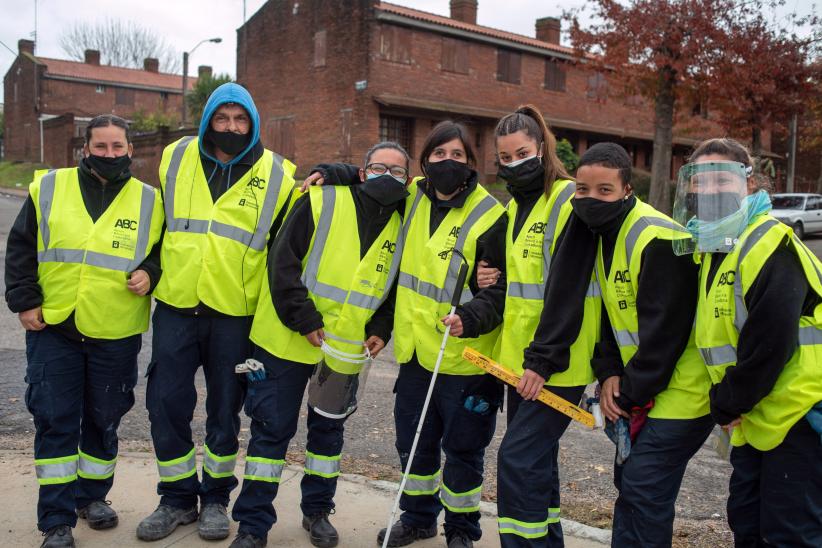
point(230, 93)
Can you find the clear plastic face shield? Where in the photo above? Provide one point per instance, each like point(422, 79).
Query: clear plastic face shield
point(711, 204)
point(338, 381)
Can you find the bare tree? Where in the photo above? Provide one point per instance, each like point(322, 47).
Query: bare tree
point(120, 43)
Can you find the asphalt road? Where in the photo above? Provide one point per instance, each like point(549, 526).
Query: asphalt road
point(586, 457)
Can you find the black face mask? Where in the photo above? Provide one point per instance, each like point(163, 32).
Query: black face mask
point(528, 174)
point(385, 189)
point(598, 214)
point(447, 176)
point(110, 169)
point(229, 142)
point(712, 207)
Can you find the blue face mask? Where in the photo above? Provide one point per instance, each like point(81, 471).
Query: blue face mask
point(369, 176)
point(721, 235)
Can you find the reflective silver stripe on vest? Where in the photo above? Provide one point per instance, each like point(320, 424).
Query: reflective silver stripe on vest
point(535, 292)
point(263, 470)
point(57, 255)
point(550, 232)
point(740, 309)
point(639, 226)
point(179, 469)
point(460, 502)
point(95, 469)
point(593, 289)
point(94, 258)
point(718, 355)
point(326, 467)
point(56, 471)
point(47, 183)
point(440, 294)
point(174, 224)
point(810, 335)
point(337, 294)
point(626, 337)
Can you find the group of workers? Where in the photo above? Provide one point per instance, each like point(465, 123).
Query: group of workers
point(714, 318)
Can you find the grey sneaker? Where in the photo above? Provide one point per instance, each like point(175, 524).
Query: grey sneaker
point(58, 537)
point(163, 521)
point(213, 524)
point(99, 514)
point(246, 540)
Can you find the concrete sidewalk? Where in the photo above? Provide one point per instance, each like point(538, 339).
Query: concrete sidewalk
point(362, 509)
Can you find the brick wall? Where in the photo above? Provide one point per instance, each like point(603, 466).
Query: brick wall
point(22, 138)
point(88, 100)
point(57, 141)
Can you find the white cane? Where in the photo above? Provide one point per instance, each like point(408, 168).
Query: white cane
point(455, 300)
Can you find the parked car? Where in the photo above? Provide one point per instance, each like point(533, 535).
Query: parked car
point(802, 212)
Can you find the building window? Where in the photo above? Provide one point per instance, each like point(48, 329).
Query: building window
point(455, 55)
point(395, 44)
point(597, 88)
point(100, 89)
point(554, 75)
point(394, 128)
point(164, 95)
point(319, 48)
point(124, 97)
point(509, 66)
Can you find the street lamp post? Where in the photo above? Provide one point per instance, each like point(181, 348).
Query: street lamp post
point(185, 73)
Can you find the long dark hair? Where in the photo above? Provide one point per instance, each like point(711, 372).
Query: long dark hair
point(105, 120)
point(528, 119)
point(443, 132)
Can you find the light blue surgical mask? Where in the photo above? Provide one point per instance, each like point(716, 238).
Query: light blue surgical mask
point(721, 235)
point(369, 176)
point(521, 161)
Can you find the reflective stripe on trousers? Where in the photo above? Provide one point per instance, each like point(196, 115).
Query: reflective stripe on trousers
point(177, 469)
point(417, 485)
point(321, 465)
point(217, 466)
point(468, 501)
point(528, 529)
point(93, 258)
point(262, 469)
point(56, 470)
point(94, 468)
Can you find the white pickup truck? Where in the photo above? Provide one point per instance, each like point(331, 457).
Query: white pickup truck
point(802, 212)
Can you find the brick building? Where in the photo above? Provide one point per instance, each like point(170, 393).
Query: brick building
point(50, 101)
point(333, 77)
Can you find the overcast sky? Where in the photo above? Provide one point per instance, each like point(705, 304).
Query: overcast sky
point(193, 20)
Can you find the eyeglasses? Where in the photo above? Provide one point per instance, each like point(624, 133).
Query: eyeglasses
point(381, 169)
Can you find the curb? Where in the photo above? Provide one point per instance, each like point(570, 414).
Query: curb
point(22, 192)
point(489, 509)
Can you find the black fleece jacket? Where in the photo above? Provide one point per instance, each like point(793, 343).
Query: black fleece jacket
point(220, 179)
point(290, 296)
point(483, 313)
point(779, 295)
point(23, 291)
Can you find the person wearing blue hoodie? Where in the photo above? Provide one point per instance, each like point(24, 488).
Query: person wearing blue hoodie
point(224, 198)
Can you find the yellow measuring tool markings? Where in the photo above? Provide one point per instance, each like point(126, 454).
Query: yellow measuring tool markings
point(545, 396)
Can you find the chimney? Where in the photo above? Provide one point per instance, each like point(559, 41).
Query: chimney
point(25, 46)
point(548, 29)
point(464, 10)
point(204, 71)
point(93, 57)
point(151, 64)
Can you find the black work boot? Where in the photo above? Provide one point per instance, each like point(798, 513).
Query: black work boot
point(99, 515)
point(322, 533)
point(247, 540)
point(58, 537)
point(213, 524)
point(164, 520)
point(460, 540)
point(402, 534)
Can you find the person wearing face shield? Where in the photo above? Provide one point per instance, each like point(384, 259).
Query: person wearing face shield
point(648, 367)
point(759, 333)
point(538, 214)
point(78, 273)
point(224, 197)
point(325, 310)
point(447, 210)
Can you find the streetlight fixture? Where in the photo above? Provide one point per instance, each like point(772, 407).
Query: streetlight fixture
point(185, 72)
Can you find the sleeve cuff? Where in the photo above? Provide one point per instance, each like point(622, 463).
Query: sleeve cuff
point(470, 328)
point(605, 368)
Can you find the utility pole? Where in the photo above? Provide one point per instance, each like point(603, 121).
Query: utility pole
point(792, 156)
point(185, 75)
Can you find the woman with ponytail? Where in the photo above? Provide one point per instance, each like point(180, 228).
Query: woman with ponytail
point(538, 213)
